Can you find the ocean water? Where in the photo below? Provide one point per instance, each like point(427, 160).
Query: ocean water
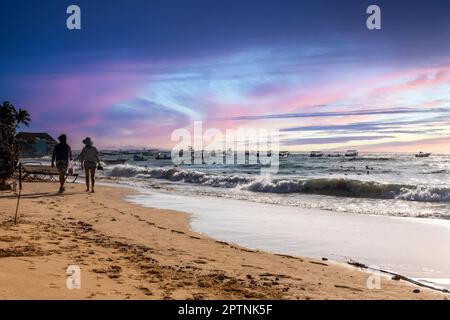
point(388, 211)
point(381, 184)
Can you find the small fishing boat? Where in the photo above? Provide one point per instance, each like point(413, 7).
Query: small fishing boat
point(351, 153)
point(423, 154)
point(284, 154)
point(316, 154)
point(164, 156)
point(334, 155)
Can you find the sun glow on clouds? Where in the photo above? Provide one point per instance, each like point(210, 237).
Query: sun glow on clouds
point(141, 103)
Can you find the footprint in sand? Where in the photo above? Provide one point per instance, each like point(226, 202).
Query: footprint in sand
point(145, 290)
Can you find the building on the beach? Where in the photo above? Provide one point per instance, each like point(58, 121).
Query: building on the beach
point(32, 145)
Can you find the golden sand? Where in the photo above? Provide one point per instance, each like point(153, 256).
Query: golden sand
point(126, 251)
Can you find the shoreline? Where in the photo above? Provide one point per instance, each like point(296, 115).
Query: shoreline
point(398, 245)
point(348, 262)
point(127, 251)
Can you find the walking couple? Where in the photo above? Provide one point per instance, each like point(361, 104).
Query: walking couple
point(89, 159)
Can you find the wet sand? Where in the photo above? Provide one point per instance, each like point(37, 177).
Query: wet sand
point(126, 251)
point(413, 247)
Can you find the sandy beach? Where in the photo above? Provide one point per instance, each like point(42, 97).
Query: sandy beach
point(126, 251)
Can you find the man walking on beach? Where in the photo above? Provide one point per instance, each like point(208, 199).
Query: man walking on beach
point(62, 154)
point(90, 161)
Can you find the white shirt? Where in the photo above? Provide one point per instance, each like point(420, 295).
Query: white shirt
point(89, 154)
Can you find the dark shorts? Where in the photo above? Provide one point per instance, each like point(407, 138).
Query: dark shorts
point(90, 164)
point(62, 166)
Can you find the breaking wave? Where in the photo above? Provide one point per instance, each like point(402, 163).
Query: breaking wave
point(322, 186)
point(179, 175)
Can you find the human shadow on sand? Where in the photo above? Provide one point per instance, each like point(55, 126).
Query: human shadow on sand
point(40, 195)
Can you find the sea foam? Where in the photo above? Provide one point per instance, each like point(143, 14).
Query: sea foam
point(341, 187)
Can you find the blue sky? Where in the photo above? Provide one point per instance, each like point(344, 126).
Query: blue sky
point(140, 69)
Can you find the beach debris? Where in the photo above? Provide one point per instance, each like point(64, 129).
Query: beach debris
point(396, 276)
point(347, 287)
point(288, 256)
point(357, 264)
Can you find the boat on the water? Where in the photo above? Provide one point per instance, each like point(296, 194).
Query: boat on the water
point(316, 154)
point(351, 153)
point(334, 155)
point(284, 154)
point(423, 154)
point(164, 156)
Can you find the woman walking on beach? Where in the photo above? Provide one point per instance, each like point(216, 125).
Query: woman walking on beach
point(89, 161)
point(62, 154)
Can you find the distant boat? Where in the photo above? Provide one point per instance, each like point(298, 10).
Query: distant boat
point(284, 154)
point(351, 153)
point(139, 157)
point(423, 154)
point(316, 154)
point(164, 156)
point(334, 155)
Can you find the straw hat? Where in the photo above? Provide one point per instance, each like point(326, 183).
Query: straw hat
point(88, 141)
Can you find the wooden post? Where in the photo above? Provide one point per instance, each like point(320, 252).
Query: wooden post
point(20, 192)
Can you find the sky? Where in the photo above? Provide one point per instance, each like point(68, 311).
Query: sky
point(138, 70)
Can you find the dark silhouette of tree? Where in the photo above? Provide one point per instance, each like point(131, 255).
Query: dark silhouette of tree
point(10, 120)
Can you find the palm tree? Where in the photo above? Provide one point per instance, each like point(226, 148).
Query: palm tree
point(22, 117)
point(10, 120)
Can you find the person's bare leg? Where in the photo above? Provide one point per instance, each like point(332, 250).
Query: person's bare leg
point(62, 179)
point(86, 173)
point(92, 179)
